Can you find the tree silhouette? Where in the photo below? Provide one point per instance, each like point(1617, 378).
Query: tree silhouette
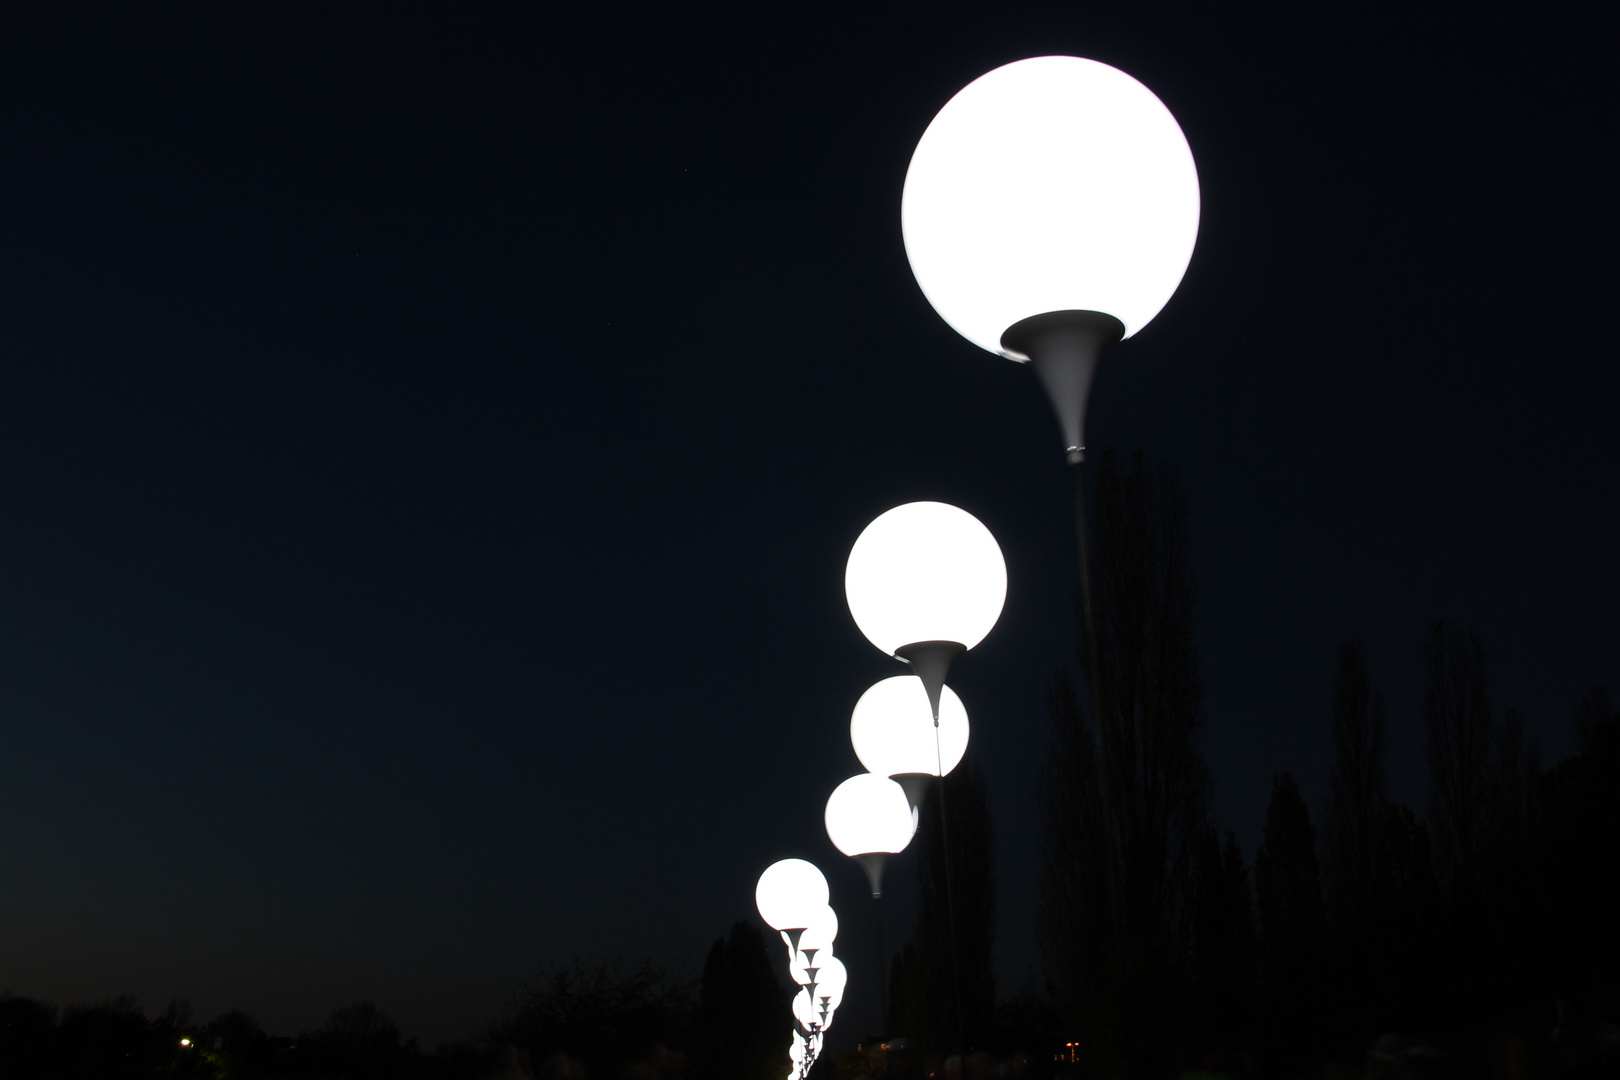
point(1457, 722)
point(1482, 813)
point(1406, 921)
point(923, 999)
point(27, 1031)
point(1355, 797)
point(1578, 851)
point(604, 1017)
point(1124, 795)
point(1293, 926)
point(358, 1041)
point(743, 1011)
point(1224, 945)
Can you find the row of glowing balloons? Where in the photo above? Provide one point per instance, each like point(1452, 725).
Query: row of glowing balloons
point(922, 574)
point(1098, 217)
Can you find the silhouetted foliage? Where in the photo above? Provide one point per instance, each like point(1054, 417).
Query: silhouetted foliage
point(1405, 952)
point(1355, 797)
point(358, 1042)
point(603, 1017)
point(923, 1004)
point(1124, 796)
point(237, 1039)
point(27, 1034)
point(743, 1012)
point(1579, 850)
point(1457, 722)
point(1224, 944)
point(110, 1039)
point(1293, 926)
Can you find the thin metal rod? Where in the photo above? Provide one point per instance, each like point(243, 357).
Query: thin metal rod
point(1094, 671)
point(1099, 723)
point(950, 900)
point(883, 976)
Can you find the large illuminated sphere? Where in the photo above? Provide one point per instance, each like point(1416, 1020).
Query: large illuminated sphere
point(892, 729)
point(869, 815)
point(790, 894)
point(925, 571)
point(1050, 184)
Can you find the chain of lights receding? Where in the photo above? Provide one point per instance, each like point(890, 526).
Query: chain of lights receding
point(792, 899)
point(1049, 263)
point(925, 582)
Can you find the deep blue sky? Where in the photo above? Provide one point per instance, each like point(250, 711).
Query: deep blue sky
point(430, 442)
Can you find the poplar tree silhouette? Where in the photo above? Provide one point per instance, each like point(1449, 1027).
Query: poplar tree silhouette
point(742, 1011)
point(1467, 762)
point(1457, 723)
point(1293, 927)
point(1355, 797)
point(922, 1003)
point(1224, 945)
point(1350, 841)
point(1578, 850)
point(1124, 796)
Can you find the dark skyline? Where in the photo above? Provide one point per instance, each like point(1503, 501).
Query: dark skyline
point(432, 443)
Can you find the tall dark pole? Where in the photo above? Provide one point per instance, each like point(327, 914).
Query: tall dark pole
point(873, 863)
point(1064, 347)
point(883, 976)
point(931, 661)
point(1093, 657)
point(950, 905)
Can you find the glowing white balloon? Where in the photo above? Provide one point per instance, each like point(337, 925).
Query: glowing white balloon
point(821, 931)
point(790, 894)
point(1049, 184)
point(925, 571)
point(830, 983)
point(868, 814)
point(807, 1012)
point(892, 729)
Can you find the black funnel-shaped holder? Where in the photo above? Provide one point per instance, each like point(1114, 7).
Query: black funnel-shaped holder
point(791, 936)
point(931, 661)
point(915, 785)
point(872, 863)
point(1063, 347)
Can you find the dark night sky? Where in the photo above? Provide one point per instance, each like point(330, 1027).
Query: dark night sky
point(430, 443)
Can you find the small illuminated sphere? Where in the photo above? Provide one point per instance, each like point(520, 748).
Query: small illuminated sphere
point(925, 571)
point(892, 729)
point(830, 983)
point(789, 894)
point(868, 814)
point(821, 931)
point(806, 1011)
point(1049, 184)
point(810, 1015)
point(806, 1048)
